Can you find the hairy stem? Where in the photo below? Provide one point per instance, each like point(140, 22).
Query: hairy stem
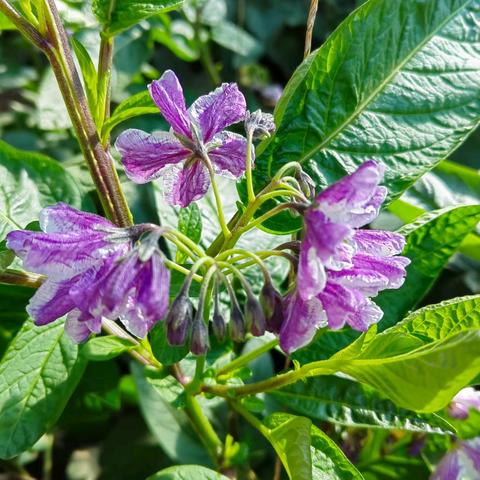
point(248, 168)
point(312, 14)
point(25, 279)
point(104, 74)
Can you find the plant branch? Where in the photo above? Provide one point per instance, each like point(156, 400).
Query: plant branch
point(312, 14)
point(104, 77)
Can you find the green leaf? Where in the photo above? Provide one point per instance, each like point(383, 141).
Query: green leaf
point(165, 353)
point(100, 349)
point(139, 104)
point(169, 425)
point(89, 72)
point(29, 182)
point(431, 241)
point(187, 472)
point(38, 373)
point(6, 256)
point(307, 452)
point(346, 402)
point(234, 38)
point(190, 224)
point(168, 387)
point(397, 82)
point(118, 15)
point(422, 362)
point(5, 23)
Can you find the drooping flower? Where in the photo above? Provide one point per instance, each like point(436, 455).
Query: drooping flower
point(460, 463)
point(180, 156)
point(466, 399)
point(93, 270)
point(340, 266)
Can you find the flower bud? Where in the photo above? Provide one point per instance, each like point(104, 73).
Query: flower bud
point(306, 184)
point(218, 321)
point(271, 301)
point(259, 124)
point(200, 343)
point(237, 323)
point(179, 319)
point(254, 316)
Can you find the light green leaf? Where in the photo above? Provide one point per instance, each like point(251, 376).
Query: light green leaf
point(5, 23)
point(210, 12)
point(28, 182)
point(139, 104)
point(233, 38)
point(6, 256)
point(431, 241)
point(187, 472)
point(307, 452)
point(100, 349)
point(397, 82)
point(165, 353)
point(346, 402)
point(118, 15)
point(89, 72)
point(190, 224)
point(38, 373)
point(169, 426)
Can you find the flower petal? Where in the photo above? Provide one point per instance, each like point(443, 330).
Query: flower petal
point(59, 255)
point(167, 93)
point(216, 111)
point(79, 327)
point(302, 318)
point(144, 156)
point(463, 401)
point(62, 218)
point(229, 158)
point(185, 184)
point(51, 301)
point(448, 468)
point(311, 277)
point(356, 198)
point(379, 242)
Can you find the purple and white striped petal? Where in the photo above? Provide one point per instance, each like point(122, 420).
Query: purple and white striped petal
point(448, 468)
point(229, 158)
point(186, 184)
point(311, 276)
point(218, 110)
point(168, 95)
point(355, 199)
point(79, 326)
point(62, 218)
point(51, 301)
point(145, 156)
point(378, 242)
point(301, 321)
point(466, 399)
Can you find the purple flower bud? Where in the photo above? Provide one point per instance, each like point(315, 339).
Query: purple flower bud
point(218, 321)
point(254, 316)
point(271, 302)
point(259, 124)
point(200, 342)
point(237, 323)
point(306, 184)
point(179, 320)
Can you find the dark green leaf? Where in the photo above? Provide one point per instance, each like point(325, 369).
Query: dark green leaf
point(393, 80)
point(165, 353)
point(139, 104)
point(187, 472)
point(431, 241)
point(29, 182)
point(118, 15)
point(6, 256)
point(38, 373)
point(233, 38)
point(346, 402)
point(100, 349)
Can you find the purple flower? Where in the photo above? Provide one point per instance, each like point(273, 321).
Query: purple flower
point(341, 267)
point(463, 462)
point(93, 271)
point(197, 136)
point(463, 401)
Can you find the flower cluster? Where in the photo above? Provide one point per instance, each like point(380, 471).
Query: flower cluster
point(94, 270)
point(340, 266)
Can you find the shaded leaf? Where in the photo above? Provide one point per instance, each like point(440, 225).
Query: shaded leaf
point(100, 349)
point(187, 472)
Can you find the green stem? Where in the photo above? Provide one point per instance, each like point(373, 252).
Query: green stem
point(312, 13)
point(179, 268)
point(263, 218)
point(187, 241)
point(103, 82)
point(203, 428)
point(248, 168)
point(251, 419)
point(247, 358)
point(25, 279)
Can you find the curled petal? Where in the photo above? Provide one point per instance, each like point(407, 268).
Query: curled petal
point(62, 218)
point(229, 158)
point(216, 111)
point(311, 278)
point(79, 327)
point(144, 156)
point(463, 401)
point(185, 184)
point(168, 95)
point(51, 301)
point(59, 255)
point(379, 242)
point(356, 198)
point(301, 320)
